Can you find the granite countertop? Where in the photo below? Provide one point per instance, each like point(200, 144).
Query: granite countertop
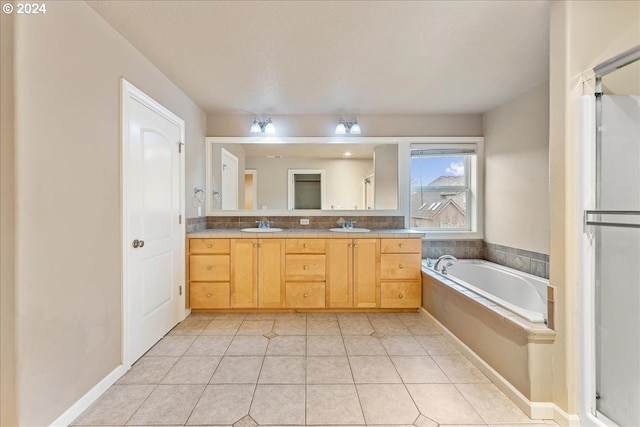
point(312, 233)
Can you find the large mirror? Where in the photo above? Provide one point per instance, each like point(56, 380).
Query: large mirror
point(301, 175)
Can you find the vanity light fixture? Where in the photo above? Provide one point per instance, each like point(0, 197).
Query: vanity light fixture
point(266, 126)
point(345, 127)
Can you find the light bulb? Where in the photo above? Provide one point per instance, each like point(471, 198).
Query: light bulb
point(269, 128)
point(355, 128)
point(255, 127)
point(341, 129)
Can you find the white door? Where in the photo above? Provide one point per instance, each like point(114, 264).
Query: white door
point(229, 181)
point(153, 236)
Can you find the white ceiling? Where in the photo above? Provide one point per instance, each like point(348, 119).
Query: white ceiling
point(341, 57)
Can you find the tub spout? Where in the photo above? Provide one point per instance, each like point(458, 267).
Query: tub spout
point(443, 270)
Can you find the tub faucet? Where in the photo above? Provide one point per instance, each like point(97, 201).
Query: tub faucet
point(443, 270)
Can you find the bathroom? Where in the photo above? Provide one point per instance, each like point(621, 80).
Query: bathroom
point(530, 194)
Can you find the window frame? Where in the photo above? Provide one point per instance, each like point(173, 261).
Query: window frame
point(475, 177)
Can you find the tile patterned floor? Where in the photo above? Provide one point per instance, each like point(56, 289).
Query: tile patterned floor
point(304, 369)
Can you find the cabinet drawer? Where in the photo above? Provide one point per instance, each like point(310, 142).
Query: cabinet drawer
point(305, 268)
point(305, 246)
point(305, 295)
point(209, 268)
point(401, 294)
point(209, 246)
point(400, 266)
point(401, 246)
point(209, 295)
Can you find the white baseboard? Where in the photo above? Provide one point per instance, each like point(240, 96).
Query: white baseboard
point(534, 410)
point(91, 396)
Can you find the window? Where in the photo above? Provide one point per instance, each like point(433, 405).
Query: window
point(444, 188)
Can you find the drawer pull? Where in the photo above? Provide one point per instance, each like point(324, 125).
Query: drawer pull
point(209, 295)
point(401, 266)
point(305, 267)
point(400, 296)
point(208, 267)
point(209, 245)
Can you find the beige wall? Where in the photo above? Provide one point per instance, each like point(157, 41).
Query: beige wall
point(583, 34)
point(516, 136)
point(8, 415)
point(372, 125)
point(68, 258)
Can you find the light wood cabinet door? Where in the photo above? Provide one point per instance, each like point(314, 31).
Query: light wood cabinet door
point(400, 266)
point(366, 273)
point(244, 264)
point(209, 268)
point(401, 246)
point(339, 273)
point(305, 294)
point(401, 294)
point(209, 295)
point(309, 268)
point(271, 270)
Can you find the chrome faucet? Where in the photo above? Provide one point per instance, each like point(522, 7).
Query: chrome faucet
point(264, 223)
point(348, 224)
point(443, 270)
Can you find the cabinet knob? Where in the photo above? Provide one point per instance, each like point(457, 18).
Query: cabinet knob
point(208, 267)
point(209, 295)
point(305, 267)
point(355, 246)
point(400, 296)
point(209, 245)
point(401, 245)
point(401, 266)
point(305, 295)
point(304, 245)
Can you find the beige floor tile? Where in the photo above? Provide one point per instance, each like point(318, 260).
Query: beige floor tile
point(283, 370)
point(418, 369)
point(230, 316)
point(222, 327)
point(222, 404)
point(423, 421)
point(261, 316)
point(201, 316)
point(192, 370)
point(492, 405)
point(402, 346)
point(364, 346)
point(373, 370)
point(255, 327)
point(238, 370)
point(389, 326)
point(279, 404)
point(355, 327)
point(174, 345)
point(323, 327)
point(206, 345)
point(352, 316)
point(443, 403)
point(459, 369)
point(328, 370)
point(167, 404)
point(115, 406)
point(148, 370)
point(437, 345)
point(247, 345)
point(333, 404)
point(321, 316)
point(288, 345)
point(423, 329)
point(190, 327)
point(386, 404)
point(290, 327)
point(325, 346)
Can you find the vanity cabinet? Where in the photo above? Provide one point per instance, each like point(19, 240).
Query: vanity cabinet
point(257, 273)
point(209, 273)
point(400, 277)
point(272, 273)
point(305, 273)
point(353, 272)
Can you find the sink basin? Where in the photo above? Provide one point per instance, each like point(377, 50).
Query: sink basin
point(261, 230)
point(350, 230)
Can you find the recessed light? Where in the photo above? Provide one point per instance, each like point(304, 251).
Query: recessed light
point(274, 156)
point(347, 153)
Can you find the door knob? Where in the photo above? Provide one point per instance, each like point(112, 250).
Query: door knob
point(138, 243)
point(141, 243)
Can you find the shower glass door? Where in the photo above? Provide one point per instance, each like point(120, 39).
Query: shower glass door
point(617, 261)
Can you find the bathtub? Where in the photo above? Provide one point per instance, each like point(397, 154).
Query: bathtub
point(522, 294)
point(496, 317)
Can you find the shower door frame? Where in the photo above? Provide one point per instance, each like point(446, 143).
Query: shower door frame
point(590, 116)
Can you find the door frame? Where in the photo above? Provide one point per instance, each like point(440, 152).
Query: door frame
point(129, 91)
point(227, 155)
